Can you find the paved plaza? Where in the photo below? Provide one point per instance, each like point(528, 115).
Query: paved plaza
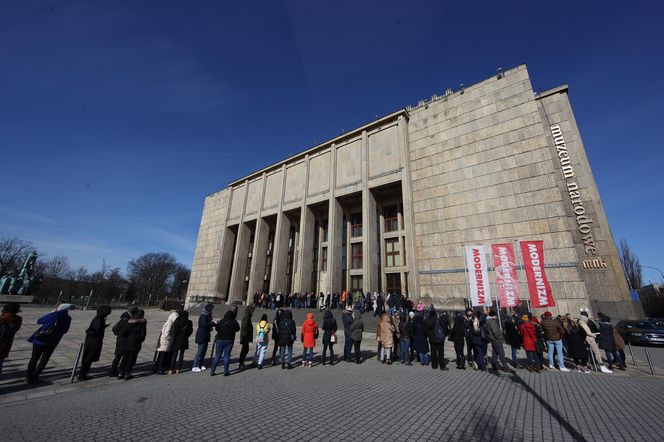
point(369, 401)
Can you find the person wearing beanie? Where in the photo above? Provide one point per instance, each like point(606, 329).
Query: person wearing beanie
point(553, 334)
point(53, 326)
point(607, 341)
point(513, 338)
point(202, 339)
point(405, 338)
point(120, 339)
point(471, 354)
point(94, 340)
point(134, 336)
point(496, 338)
point(356, 329)
point(262, 340)
point(182, 329)
point(458, 336)
point(247, 334)
point(584, 322)
point(329, 335)
point(10, 323)
point(347, 321)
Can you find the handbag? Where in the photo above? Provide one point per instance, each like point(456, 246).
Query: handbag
point(333, 338)
point(46, 332)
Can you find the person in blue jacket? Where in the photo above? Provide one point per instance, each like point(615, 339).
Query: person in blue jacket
point(205, 324)
point(44, 341)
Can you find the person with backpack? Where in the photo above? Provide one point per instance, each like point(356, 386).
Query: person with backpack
point(182, 329)
point(10, 323)
point(134, 336)
point(286, 338)
point(308, 336)
point(458, 337)
point(386, 339)
point(223, 341)
point(205, 324)
point(94, 339)
point(165, 343)
point(329, 335)
point(436, 332)
point(496, 338)
point(405, 337)
point(120, 340)
point(246, 335)
point(262, 340)
point(356, 330)
point(420, 342)
point(54, 326)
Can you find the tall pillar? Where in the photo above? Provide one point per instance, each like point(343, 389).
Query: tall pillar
point(382, 276)
point(369, 250)
point(334, 241)
point(225, 263)
point(280, 255)
point(258, 255)
point(235, 293)
point(404, 157)
point(306, 252)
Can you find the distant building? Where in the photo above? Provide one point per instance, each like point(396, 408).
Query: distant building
point(388, 206)
point(652, 298)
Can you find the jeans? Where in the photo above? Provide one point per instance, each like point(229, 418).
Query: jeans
point(616, 357)
point(558, 345)
point(219, 347)
point(514, 350)
point(532, 357)
point(308, 354)
point(480, 351)
point(282, 354)
point(348, 348)
point(260, 353)
point(199, 359)
point(405, 356)
point(423, 358)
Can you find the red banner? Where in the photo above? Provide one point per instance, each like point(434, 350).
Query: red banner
point(538, 284)
point(507, 282)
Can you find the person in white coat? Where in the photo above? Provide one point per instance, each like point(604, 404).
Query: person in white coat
point(165, 342)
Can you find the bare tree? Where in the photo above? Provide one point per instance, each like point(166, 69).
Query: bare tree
point(13, 252)
point(56, 267)
point(150, 275)
point(180, 281)
point(630, 264)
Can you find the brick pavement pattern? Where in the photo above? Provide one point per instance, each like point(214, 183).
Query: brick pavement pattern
point(370, 401)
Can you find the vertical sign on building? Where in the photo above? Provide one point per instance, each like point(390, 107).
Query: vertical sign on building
point(480, 295)
point(538, 284)
point(507, 282)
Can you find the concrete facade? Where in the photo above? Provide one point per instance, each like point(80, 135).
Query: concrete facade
point(389, 206)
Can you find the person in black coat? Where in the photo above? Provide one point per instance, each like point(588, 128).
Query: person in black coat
point(205, 324)
point(286, 334)
point(94, 339)
point(436, 330)
point(246, 334)
point(513, 338)
point(420, 343)
point(223, 341)
point(119, 341)
point(458, 336)
point(606, 341)
point(329, 329)
point(275, 335)
point(182, 329)
point(347, 320)
point(134, 335)
point(405, 338)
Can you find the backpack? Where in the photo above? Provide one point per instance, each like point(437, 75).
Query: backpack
point(6, 332)
point(438, 332)
point(261, 337)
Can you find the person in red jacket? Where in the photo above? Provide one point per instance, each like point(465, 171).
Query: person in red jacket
point(308, 336)
point(10, 322)
point(529, 339)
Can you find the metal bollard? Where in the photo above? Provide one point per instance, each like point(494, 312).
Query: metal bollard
point(631, 352)
point(652, 370)
point(73, 370)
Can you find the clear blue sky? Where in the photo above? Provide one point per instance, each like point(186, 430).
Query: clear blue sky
point(118, 117)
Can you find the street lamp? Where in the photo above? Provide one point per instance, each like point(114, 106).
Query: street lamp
point(654, 268)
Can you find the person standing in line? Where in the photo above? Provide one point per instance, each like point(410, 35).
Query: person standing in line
point(576, 345)
point(10, 323)
point(347, 320)
point(379, 330)
point(607, 341)
point(223, 341)
point(356, 330)
point(182, 329)
point(165, 343)
point(286, 335)
point(420, 342)
point(513, 338)
point(120, 340)
point(246, 335)
point(553, 334)
point(205, 324)
point(459, 339)
point(529, 343)
point(275, 335)
point(54, 326)
point(406, 335)
point(436, 332)
point(591, 341)
point(262, 340)
point(386, 338)
point(471, 354)
point(620, 348)
point(479, 336)
point(496, 338)
point(308, 336)
point(329, 335)
point(134, 335)
point(94, 340)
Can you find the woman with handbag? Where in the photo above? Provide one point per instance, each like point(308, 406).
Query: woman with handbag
point(53, 327)
point(329, 335)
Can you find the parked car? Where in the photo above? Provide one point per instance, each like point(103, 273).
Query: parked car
point(641, 332)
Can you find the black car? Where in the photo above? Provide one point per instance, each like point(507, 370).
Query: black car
point(641, 332)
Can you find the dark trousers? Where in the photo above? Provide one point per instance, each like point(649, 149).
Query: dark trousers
point(380, 347)
point(163, 358)
point(275, 351)
point(329, 345)
point(460, 358)
point(497, 350)
point(116, 363)
point(38, 360)
point(437, 355)
point(356, 347)
point(471, 351)
point(243, 353)
point(128, 361)
point(86, 361)
point(348, 348)
point(179, 356)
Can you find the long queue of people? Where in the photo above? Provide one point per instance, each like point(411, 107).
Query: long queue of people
point(404, 335)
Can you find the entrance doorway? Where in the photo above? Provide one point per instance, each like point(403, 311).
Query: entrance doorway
point(393, 283)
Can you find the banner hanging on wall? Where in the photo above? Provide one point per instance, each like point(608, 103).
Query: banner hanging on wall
point(507, 283)
point(480, 294)
point(538, 284)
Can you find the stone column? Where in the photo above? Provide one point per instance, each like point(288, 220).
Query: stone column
point(257, 275)
point(369, 250)
point(239, 263)
point(280, 254)
point(411, 268)
point(334, 230)
point(383, 278)
point(225, 263)
point(305, 256)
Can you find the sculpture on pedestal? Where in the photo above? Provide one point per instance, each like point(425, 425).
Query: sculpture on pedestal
point(25, 282)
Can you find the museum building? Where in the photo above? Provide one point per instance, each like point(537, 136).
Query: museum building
point(393, 205)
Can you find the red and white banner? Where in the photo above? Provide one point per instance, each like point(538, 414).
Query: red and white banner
point(538, 284)
point(480, 294)
point(507, 282)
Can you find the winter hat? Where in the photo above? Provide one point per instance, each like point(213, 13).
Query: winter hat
point(547, 314)
point(12, 307)
point(411, 314)
point(132, 310)
point(264, 317)
point(349, 308)
point(584, 314)
point(420, 307)
point(208, 307)
point(65, 307)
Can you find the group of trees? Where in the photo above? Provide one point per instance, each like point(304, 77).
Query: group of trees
point(150, 278)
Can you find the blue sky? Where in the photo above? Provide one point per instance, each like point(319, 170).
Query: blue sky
point(117, 118)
